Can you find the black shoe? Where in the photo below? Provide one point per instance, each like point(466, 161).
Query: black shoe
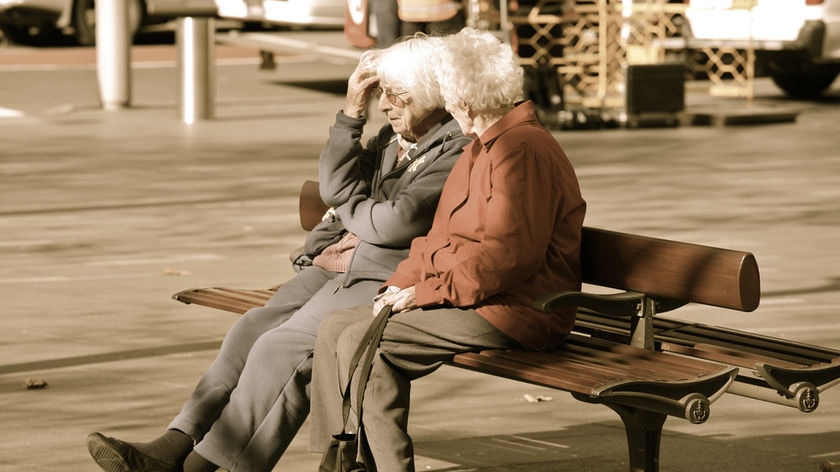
point(114, 455)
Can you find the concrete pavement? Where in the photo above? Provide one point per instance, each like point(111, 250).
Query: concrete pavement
point(105, 214)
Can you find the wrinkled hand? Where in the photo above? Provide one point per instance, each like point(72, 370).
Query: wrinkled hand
point(361, 84)
point(330, 216)
point(400, 300)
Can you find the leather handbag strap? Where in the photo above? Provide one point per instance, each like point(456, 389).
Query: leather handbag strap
point(363, 357)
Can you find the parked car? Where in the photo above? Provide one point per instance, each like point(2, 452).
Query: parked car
point(797, 42)
point(22, 21)
point(305, 13)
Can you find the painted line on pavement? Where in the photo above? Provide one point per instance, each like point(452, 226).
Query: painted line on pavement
point(155, 64)
point(9, 113)
point(109, 357)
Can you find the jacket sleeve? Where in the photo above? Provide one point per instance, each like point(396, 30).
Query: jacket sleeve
point(345, 167)
point(519, 223)
point(396, 221)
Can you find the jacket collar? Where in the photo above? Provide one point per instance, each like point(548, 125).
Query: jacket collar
point(446, 130)
point(524, 112)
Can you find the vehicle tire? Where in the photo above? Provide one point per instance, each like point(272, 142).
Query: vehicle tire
point(805, 84)
point(17, 34)
point(32, 35)
point(84, 20)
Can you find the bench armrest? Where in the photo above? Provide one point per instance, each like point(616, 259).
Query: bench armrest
point(617, 305)
point(622, 305)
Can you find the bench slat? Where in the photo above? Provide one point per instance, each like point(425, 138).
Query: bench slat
point(685, 392)
point(576, 378)
point(615, 357)
point(227, 299)
point(726, 356)
point(659, 267)
point(610, 363)
point(761, 345)
point(780, 351)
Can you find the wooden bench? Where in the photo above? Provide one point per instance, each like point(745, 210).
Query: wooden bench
point(620, 354)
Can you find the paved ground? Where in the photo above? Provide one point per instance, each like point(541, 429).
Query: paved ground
point(105, 214)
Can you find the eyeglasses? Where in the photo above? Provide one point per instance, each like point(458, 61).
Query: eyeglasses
point(391, 96)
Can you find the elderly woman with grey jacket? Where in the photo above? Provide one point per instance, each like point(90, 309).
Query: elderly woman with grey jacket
point(251, 402)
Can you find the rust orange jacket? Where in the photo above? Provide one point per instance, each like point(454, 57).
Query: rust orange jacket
point(506, 231)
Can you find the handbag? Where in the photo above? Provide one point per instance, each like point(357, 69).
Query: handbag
point(342, 454)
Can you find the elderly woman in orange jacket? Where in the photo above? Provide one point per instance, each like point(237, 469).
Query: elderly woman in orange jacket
point(506, 231)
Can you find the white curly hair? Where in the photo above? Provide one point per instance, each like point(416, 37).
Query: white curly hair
point(408, 65)
point(476, 69)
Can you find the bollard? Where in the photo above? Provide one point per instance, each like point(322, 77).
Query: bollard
point(195, 41)
point(113, 46)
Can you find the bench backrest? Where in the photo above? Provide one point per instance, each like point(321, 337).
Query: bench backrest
point(311, 207)
point(658, 267)
point(672, 269)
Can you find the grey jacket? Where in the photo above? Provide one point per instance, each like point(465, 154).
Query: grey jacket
point(385, 207)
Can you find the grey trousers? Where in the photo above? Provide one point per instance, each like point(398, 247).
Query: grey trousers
point(252, 400)
point(415, 344)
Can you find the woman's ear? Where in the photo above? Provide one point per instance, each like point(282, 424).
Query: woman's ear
point(468, 109)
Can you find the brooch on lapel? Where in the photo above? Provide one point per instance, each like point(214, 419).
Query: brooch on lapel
point(416, 163)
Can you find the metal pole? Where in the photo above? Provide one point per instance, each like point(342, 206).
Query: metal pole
point(113, 46)
point(195, 39)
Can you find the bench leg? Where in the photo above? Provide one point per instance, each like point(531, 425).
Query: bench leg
point(644, 431)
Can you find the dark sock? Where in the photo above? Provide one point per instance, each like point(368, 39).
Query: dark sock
point(172, 447)
point(196, 463)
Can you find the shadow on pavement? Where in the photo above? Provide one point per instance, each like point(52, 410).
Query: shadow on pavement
point(337, 87)
point(582, 449)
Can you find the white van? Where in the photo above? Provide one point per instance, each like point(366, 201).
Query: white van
point(25, 21)
point(304, 13)
point(797, 42)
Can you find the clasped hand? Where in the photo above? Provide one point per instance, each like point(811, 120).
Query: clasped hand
point(400, 300)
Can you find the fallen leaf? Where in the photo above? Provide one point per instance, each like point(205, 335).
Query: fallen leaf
point(538, 398)
point(33, 383)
